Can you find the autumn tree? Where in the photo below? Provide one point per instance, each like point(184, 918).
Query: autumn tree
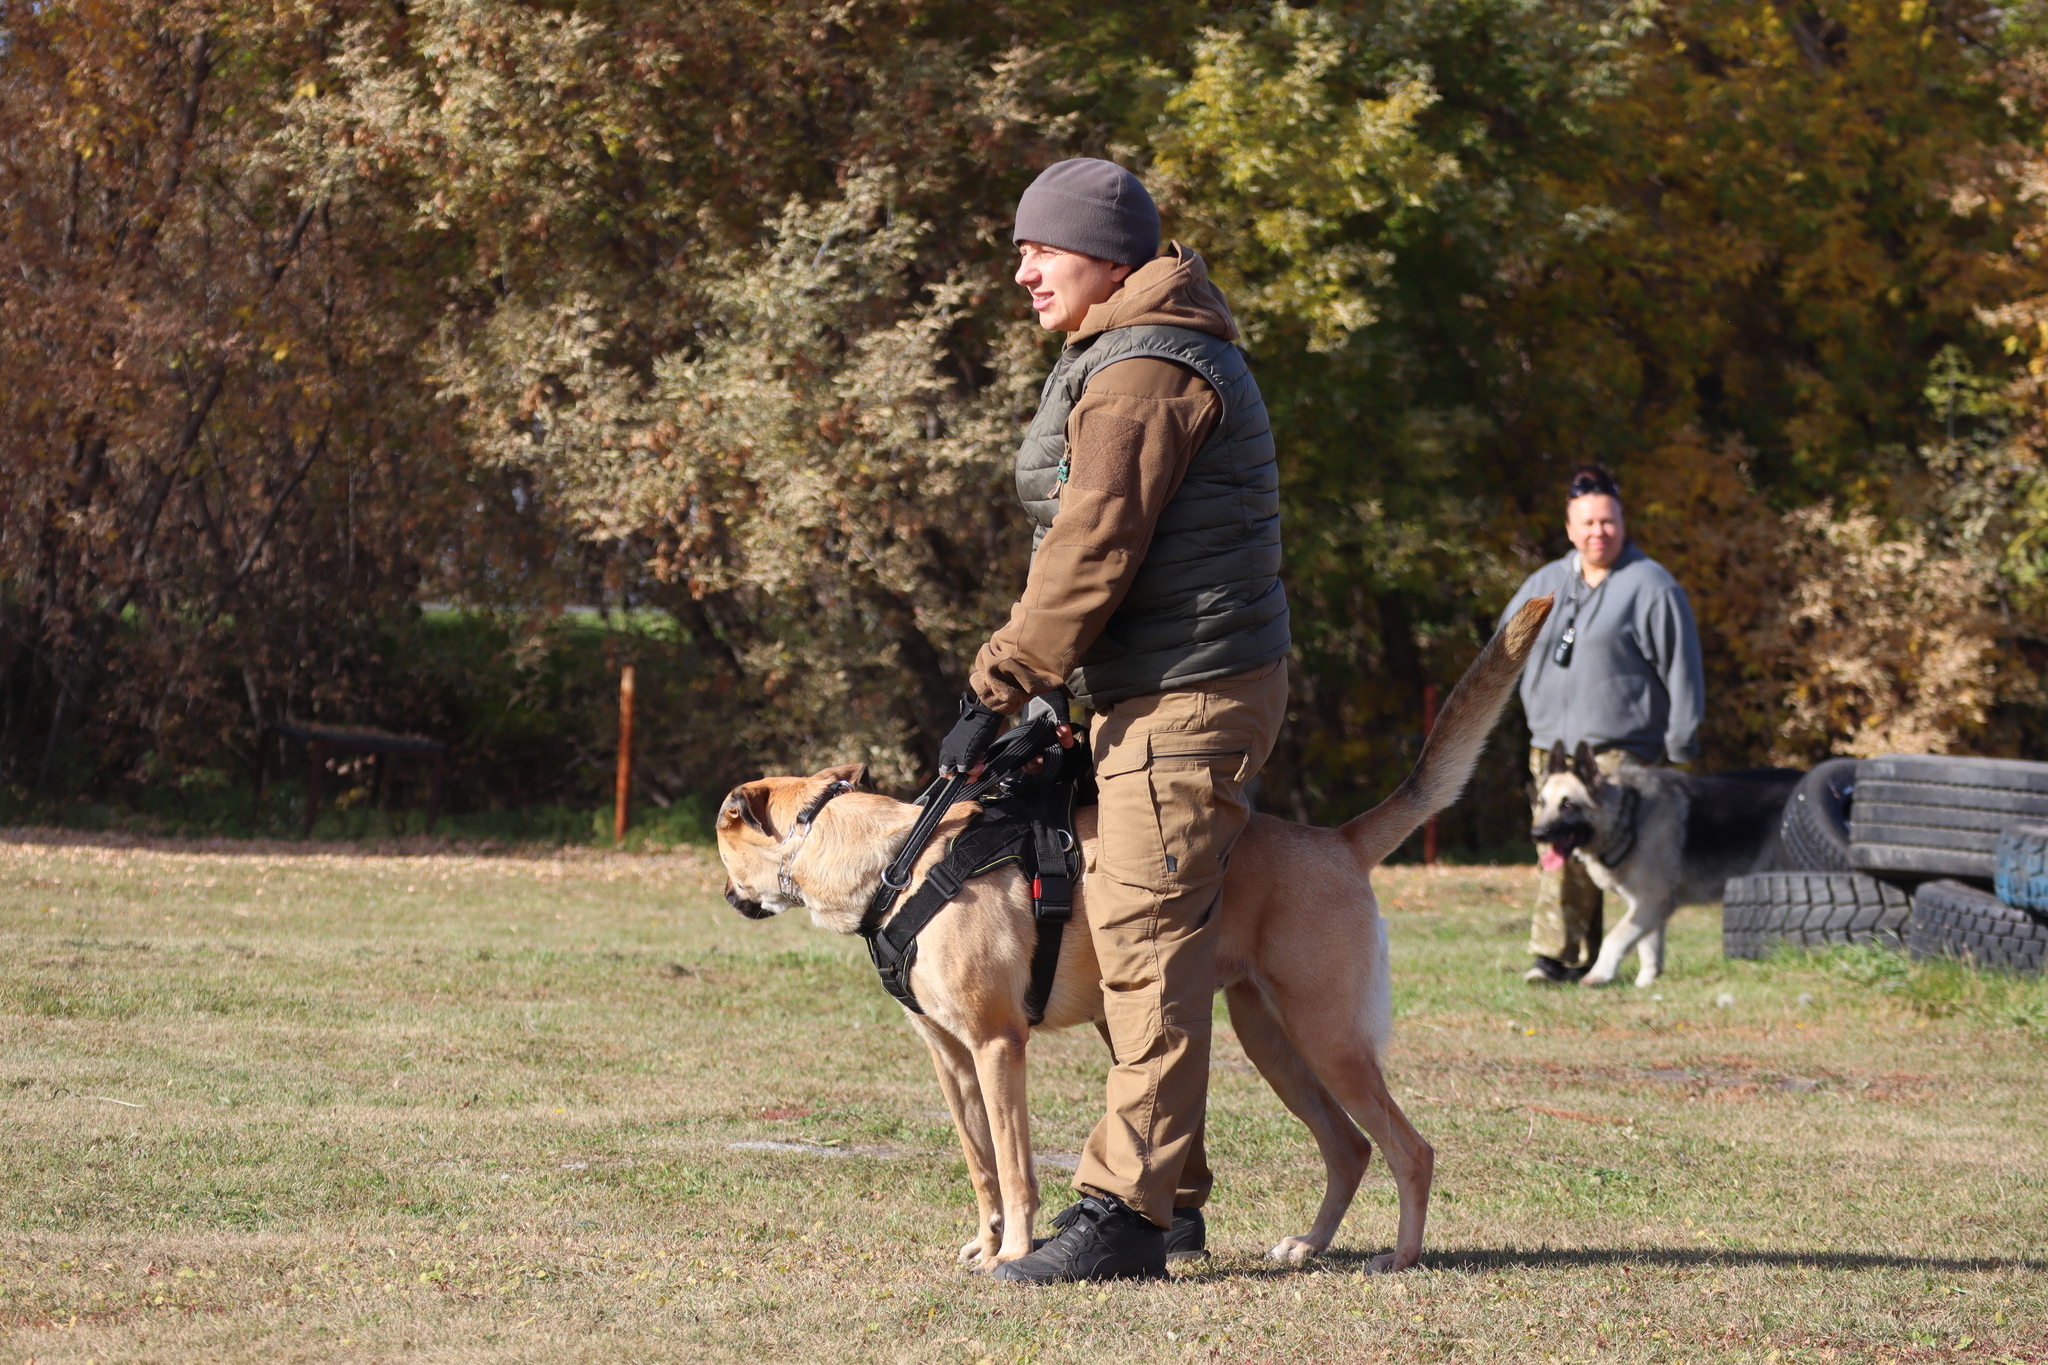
point(222, 464)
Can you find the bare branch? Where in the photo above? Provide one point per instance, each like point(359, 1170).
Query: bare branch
point(188, 123)
point(276, 506)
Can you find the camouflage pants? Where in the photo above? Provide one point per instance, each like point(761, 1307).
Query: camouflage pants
point(1569, 908)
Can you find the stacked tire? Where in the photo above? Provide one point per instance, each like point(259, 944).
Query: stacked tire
point(1810, 910)
point(1803, 890)
point(1945, 857)
point(1927, 815)
point(1951, 919)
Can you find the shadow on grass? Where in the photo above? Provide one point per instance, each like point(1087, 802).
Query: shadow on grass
point(1501, 1258)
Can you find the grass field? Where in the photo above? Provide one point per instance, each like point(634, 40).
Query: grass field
point(265, 1103)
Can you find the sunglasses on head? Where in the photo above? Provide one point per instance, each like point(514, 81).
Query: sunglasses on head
point(1593, 483)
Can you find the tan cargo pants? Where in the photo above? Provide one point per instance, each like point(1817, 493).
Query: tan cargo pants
point(1569, 907)
point(1172, 769)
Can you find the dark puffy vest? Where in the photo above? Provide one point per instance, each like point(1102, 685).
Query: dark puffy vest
point(1207, 601)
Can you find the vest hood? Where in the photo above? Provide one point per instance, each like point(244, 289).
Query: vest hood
point(1172, 290)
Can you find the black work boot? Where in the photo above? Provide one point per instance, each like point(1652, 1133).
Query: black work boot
point(1188, 1238)
point(1551, 970)
point(1100, 1238)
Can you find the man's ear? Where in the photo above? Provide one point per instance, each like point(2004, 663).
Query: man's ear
point(855, 775)
point(1559, 760)
point(746, 804)
point(1585, 767)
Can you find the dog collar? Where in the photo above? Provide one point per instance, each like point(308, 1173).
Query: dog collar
point(793, 844)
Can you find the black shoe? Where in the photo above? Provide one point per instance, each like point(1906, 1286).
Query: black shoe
point(1551, 970)
point(1100, 1238)
point(1188, 1238)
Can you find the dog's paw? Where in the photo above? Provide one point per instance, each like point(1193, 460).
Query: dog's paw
point(979, 1254)
point(1004, 1256)
point(1593, 978)
point(1390, 1263)
point(1645, 979)
point(1294, 1250)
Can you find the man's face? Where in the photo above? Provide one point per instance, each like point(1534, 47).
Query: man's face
point(1064, 285)
point(1594, 524)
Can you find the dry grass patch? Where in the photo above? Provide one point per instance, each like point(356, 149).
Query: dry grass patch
point(262, 1103)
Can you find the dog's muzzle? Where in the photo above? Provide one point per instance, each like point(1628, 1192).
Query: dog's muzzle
point(751, 909)
point(1566, 836)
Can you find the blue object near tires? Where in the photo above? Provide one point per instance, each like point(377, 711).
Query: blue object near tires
point(2020, 866)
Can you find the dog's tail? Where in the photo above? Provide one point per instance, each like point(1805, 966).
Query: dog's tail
point(1453, 747)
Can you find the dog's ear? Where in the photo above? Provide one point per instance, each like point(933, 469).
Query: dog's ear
point(1559, 760)
point(746, 804)
point(855, 775)
point(1585, 767)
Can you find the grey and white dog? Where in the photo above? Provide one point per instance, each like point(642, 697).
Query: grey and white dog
point(1657, 838)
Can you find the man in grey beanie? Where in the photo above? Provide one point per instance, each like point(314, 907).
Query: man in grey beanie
point(1154, 595)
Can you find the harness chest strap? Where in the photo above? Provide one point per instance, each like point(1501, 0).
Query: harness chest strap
point(995, 839)
point(1052, 905)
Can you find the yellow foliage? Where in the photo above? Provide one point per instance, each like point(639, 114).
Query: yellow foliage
point(1823, 634)
point(1892, 645)
point(1267, 163)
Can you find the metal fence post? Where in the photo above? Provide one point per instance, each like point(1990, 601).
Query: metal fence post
point(625, 785)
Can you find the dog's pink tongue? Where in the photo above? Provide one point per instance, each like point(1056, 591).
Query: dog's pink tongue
point(1549, 859)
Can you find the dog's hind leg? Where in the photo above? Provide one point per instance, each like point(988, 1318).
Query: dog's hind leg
point(1335, 1035)
point(1359, 1083)
point(999, 1062)
point(962, 1088)
point(1345, 1150)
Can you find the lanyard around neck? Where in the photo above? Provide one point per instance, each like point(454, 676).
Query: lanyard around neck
point(1582, 594)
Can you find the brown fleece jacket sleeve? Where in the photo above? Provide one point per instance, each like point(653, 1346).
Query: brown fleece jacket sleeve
point(1129, 441)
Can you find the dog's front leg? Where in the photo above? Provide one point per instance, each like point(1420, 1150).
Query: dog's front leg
point(1644, 920)
point(999, 1061)
point(962, 1088)
point(1650, 955)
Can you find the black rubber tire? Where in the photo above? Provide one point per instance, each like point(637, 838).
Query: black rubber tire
point(1816, 824)
point(1813, 834)
point(1954, 920)
point(1810, 910)
point(2020, 867)
point(1925, 815)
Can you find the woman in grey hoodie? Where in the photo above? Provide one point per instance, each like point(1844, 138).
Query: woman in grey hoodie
point(1618, 667)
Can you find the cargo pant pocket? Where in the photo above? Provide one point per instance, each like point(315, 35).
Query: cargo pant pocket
point(1170, 812)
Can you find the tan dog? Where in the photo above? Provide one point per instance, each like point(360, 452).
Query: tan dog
point(1302, 959)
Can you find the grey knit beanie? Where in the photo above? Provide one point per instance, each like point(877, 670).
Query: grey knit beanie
point(1094, 207)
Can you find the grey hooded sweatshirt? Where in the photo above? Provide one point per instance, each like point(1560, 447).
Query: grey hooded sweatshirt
point(1635, 681)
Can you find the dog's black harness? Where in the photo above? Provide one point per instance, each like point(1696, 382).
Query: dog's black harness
point(1030, 822)
point(1624, 819)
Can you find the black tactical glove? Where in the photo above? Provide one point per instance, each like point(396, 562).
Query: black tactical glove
point(970, 738)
